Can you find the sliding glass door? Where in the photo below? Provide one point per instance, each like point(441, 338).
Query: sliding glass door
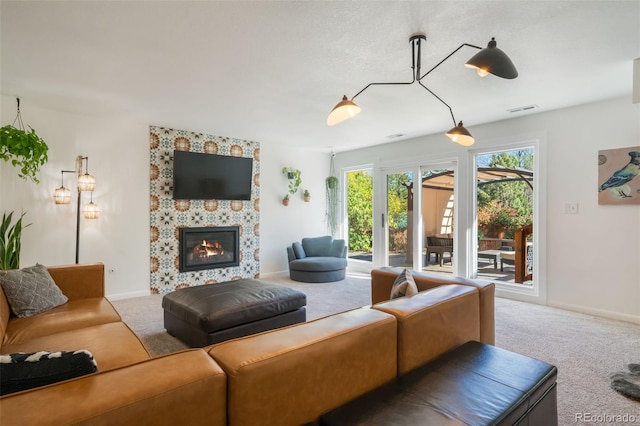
point(398, 218)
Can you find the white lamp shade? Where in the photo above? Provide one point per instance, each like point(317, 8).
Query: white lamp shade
point(62, 195)
point(344, 110)
point(86, 183)
point(91, 211)
point(460, 135)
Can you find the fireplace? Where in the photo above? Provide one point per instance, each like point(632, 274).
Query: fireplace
point(209, 248)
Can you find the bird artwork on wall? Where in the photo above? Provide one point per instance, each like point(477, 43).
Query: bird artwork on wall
point(617, 173)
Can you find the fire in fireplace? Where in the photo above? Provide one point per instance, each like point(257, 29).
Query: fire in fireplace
point(209, 248)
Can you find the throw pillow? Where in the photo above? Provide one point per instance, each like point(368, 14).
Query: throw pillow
point(31, 291)
point(298, 250)
point(22, 371)
point(337, 248)
point(404, 285)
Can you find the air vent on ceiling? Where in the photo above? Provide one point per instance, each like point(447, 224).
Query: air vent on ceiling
point(523, 108)
point(395, 136)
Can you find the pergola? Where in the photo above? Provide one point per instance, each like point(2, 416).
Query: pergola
point(444, 180)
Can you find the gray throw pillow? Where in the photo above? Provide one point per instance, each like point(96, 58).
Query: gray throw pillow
point(298, 250)
point(31, 291)
point(337, 248)
point(404, 285)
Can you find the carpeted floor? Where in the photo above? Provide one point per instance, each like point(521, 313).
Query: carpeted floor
point(586, 349)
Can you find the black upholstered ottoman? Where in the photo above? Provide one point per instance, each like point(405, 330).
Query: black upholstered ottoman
point(212, 313)
point(474, 384)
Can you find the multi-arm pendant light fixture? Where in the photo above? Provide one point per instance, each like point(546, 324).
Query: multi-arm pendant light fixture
point(489, 60)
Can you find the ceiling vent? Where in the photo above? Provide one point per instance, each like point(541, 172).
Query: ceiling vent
point(395, 136)
point(523, 108)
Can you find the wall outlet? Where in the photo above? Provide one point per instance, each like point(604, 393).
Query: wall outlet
point(571, 208)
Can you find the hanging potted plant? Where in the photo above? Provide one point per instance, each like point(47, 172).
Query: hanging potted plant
point(10, 236)
point(331, 184)
point(23, 148)
point(306, 196)
point(285, 200)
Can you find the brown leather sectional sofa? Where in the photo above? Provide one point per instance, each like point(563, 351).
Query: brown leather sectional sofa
point(287, 376)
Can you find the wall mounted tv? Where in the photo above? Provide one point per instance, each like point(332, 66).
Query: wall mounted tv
point(198, 176)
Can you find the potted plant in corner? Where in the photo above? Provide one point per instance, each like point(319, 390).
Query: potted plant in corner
point(24, 149)
point(306, 196)
point(10, 241)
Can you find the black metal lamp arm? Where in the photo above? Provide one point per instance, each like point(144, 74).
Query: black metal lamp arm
point(415, 67)
point(447, 57)
point(440, 99)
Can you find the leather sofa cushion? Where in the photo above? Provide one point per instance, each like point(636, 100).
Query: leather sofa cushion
point(319, 263)
point(214, 307)
point(74, 314)
point(291, 375)
point(113, 345)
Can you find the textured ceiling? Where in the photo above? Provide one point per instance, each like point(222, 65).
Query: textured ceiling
point(271, 71)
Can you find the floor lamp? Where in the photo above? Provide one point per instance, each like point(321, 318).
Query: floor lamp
point(85, 183)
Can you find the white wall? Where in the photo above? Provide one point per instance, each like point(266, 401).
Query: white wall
point(118, 151)
point(280, 225)
point(593, 258)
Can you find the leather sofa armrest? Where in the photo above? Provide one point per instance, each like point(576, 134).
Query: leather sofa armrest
point(183, 388)
point(432, 322)
point(382, 280)
point(79, 281)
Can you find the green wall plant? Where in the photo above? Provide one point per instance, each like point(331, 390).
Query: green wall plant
point(295, 179)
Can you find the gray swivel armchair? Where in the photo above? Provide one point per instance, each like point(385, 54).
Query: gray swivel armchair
point(318, 260)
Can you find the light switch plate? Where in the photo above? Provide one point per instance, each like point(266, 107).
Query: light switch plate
point(571, 208)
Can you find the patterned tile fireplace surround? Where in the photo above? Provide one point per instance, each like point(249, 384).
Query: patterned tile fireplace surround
point(167, 215)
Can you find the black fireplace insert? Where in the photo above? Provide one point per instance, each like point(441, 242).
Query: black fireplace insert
point(209, 248)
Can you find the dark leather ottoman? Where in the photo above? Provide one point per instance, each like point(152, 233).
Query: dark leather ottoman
point(474, 384)
point(212, 313)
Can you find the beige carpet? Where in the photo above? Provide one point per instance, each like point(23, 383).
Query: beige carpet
point(585, 349)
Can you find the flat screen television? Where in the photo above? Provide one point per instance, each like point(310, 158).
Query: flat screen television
point(198, 176)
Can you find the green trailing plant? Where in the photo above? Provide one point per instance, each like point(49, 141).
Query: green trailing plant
point(24, 149)
point(295, 179)
point(331, 184)
point(10, 236)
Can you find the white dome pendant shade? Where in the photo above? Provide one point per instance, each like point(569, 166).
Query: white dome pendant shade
point(461, 135)
point(344, 110)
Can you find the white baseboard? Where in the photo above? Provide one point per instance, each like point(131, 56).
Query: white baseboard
point(277, 274)
point(597, 312)
point(133, 294)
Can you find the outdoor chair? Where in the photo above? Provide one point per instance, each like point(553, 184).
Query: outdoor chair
point(438, 246)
